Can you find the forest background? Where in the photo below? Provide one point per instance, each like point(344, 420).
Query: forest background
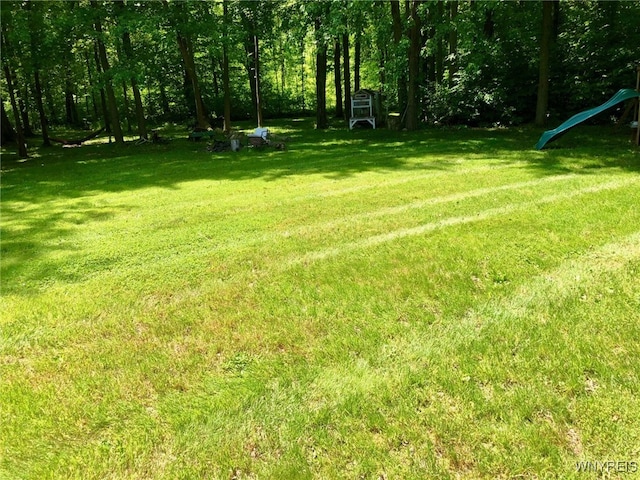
point(125, 65)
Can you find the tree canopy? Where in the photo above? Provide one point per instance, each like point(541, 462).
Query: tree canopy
point(123, 64)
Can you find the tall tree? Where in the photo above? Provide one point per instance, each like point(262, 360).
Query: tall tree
point(137, 97)
point(453, 42)
point(438, 19)
point(357, 60)
point(7, 133)
point(36, 31)
point(7, 57)
point(112, 104)
point(400, 53)
point(225, 67)
point(128, 20)
point(67, 16)
point(181, 21)
point(253, 16)
point(321, 75)
point(414, 67)
point(545, 59)
point(186, 50)
point(103, 96)
point(90, 78)
point(346, 70)
point(20, 138)
point(337, 78)
point(256, 79)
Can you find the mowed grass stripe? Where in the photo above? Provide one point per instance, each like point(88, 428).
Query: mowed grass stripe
point(563, 281)
point(529, 306)
point(375, 240)
point(353, 219)
point(465, 170)
point(282, 194)
point(218, 243)
point(543, 351)
point(419, 204)
point(251, 246)
point(134, 228)
point(215, 240)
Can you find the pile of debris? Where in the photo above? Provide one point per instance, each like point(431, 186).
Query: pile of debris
point(219, 146)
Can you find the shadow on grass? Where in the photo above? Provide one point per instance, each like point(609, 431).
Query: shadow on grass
point(45, 234)
point(588, 149)
point(335, 153)
point(78, 173)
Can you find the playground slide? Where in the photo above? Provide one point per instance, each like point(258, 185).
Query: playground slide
point(551, 135)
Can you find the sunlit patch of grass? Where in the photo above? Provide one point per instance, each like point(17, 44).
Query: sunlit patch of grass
point(376, 304)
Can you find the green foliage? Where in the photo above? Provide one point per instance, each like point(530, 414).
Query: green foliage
point(487, 75)
point(588, 69)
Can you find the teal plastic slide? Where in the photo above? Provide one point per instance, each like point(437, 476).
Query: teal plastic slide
point(551, 135)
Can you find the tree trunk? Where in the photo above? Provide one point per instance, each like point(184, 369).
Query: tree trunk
point(8, 74)
point(127, 107)
point(190, 69)
point(189, 97)
point(347, 76)
point(225, 69)
point(489, 24)
point(303, 77)
point(337, 77)
point(439, 66)
point(283, 76)
point(397, 38)
point(112, 105)
point(214, 77)
point(430, 60)
point(7, 133)
point(51, 105)
point(226, 90)
point(103, 96)
point(43, 117)
point(545, 58)
point(164, 100)
point(142, 124)
point(321, 80)
point(356, 63)
point(137, 98)
point(414, 66)
point(89, 76)
point(256, 59)
point(383, 59)
point(453, 42)
point(69, 104)
point(24, 113)
point(35, 38)
point(20, 140)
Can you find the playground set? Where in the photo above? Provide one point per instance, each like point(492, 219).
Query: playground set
point(622, 95)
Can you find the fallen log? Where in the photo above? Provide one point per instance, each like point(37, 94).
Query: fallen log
point(79, 141)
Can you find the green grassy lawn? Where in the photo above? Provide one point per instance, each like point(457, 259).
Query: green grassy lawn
point(367, 304)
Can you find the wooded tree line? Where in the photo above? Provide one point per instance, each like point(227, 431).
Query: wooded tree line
point(124, 65)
